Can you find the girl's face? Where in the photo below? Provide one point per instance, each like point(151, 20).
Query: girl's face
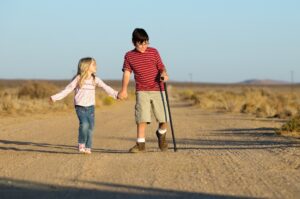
point(142, 47)
point(93, 67)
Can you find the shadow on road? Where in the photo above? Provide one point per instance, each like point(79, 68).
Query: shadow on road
point(224, 139)
point(250, 138)
point(24, 146)
point(11, 189)
point(34, 147)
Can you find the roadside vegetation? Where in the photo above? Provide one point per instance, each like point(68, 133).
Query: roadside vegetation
point(261, 102)
point(33, 97)
point(291, 128)
point(20, 98)
point(255, 101)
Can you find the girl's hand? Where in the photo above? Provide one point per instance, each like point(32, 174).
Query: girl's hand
point(51, 101)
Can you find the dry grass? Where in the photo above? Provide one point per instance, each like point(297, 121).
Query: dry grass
point(272, 102)
point(261, 102)
point(291, 128)
point(21, 97)
point(31, 97)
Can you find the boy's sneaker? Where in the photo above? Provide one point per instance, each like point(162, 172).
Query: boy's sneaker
point(88, 151)
point(139, 147)
point(162, 142)
point(81, 148)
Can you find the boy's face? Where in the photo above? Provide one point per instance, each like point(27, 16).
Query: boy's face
point(141, 46)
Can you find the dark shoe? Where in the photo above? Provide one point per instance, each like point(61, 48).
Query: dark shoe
point(139, 147)
point(162, 142)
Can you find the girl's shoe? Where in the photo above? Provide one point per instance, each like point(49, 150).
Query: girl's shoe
point(81, 148)
point(87, 151)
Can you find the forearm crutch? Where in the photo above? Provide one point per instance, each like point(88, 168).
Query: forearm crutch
point(169, 111)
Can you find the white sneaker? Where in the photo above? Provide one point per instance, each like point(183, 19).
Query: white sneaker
point(81, 148)
point(87, 151)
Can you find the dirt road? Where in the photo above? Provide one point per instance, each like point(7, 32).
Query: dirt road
point(219, 156)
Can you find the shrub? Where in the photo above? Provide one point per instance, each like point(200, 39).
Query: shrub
point(36, 90)
point(7, 104)
point(187, 94)
point(291, 128)
point(108, 101)
point(195, 98)
point(293, 125)
point(248, 108)
point(230, 101)
point(284, 114)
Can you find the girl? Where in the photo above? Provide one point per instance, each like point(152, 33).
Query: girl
point(84, 84)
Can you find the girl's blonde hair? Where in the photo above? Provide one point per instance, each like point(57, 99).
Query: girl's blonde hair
point(83, 68)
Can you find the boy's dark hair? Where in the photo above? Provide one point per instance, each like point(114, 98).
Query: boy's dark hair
point(139, 35)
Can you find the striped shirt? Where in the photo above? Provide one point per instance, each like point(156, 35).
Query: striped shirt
point(85, 96)
point(146, 67)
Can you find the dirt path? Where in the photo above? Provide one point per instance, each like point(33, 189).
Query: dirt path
point(219, 156)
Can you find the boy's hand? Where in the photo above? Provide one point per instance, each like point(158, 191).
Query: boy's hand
point(164, 77)
point(122, 95)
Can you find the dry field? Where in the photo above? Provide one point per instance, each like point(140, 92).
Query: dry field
point(226, 139)
point(261, 101)
point(21, 98)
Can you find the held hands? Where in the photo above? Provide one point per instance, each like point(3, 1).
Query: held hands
point(122, 95)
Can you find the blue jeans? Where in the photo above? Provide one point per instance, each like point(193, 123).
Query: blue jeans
point(86, 116)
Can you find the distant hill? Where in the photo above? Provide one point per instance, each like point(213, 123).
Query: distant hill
point(264, 82)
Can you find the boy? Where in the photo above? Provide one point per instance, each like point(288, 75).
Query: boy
point(149, 72)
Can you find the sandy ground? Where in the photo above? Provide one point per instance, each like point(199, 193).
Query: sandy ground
point(219, 156)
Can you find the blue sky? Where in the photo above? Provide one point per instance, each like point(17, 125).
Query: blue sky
point(199, 40)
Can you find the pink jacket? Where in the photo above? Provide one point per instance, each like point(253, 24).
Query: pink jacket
point(85, 96)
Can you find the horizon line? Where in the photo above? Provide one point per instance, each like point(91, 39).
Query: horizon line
point(245, 82)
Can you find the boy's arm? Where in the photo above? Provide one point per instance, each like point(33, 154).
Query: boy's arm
point(161, 68)
point(125, 81)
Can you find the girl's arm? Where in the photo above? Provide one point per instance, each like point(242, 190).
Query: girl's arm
point(110, 91)
point(68, 89)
